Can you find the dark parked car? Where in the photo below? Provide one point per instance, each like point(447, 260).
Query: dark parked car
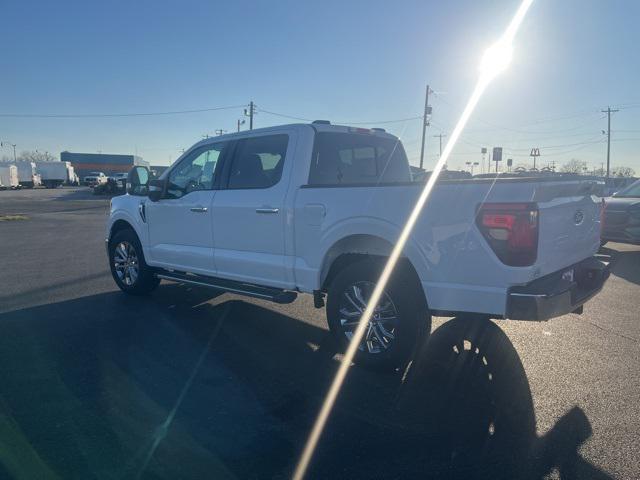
point(622, 216)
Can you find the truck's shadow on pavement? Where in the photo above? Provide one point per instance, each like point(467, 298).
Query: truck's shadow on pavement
point(170, 386)
point(626, 263)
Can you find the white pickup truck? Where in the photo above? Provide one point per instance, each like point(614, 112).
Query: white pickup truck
point(315, 208)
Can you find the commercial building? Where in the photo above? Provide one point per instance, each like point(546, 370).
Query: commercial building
point(84, 163)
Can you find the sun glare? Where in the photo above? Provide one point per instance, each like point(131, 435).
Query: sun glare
point(496, 58)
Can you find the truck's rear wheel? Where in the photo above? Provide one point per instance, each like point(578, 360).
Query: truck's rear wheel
point(128, 267)
point(399, 321)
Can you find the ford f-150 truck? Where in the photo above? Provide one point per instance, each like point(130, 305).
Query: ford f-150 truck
point(316, 208)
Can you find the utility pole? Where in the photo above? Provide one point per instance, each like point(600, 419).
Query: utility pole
point(425, 124)
point(440, 135)
point(240, 122)
point(250, 112)
point(608, 111)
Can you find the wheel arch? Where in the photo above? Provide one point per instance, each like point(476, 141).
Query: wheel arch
point(120, 225)
point(357, 247)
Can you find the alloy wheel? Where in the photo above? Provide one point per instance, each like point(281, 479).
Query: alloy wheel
point(381, 330)
point(125, 261)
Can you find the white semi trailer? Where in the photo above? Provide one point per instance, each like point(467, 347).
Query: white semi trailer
point(27, 174)
point(9, 177)
point(54, 173)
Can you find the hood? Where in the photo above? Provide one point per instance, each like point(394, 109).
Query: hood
point(620, 203)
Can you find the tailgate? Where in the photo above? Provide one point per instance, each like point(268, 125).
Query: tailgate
point(569, 223)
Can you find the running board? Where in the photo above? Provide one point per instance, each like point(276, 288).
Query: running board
point(250, 290)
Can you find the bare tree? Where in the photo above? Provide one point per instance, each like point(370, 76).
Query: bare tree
point(574, 166)
point(522, 167)
point(36, 156)
point(623, 172)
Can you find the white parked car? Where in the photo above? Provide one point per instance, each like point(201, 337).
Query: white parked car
point(316, 208)
point(95, 178)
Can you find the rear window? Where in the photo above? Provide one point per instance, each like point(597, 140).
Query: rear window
point(346, 158)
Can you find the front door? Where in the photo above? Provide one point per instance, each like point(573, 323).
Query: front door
point(180, 224)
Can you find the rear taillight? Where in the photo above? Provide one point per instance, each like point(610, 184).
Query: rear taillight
point(511, 230)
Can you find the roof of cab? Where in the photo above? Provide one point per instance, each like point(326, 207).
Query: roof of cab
point(318, 127)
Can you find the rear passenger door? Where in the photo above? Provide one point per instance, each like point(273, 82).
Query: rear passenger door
point(249, 212)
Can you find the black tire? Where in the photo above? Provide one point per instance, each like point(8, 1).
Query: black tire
point(407, 299)
point(145, 281)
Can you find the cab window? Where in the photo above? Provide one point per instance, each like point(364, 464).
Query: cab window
point(258, 162)
point(344, 158)
point(195, 172)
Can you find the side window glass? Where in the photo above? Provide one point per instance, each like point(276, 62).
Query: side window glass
point(195, 172)
point(343, 158)
point(258, 162)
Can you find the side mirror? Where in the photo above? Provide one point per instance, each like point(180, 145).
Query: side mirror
point(138, 181)
point(156, 189)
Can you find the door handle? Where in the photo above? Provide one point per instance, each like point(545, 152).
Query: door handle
point(199, 209)
point(267, 210)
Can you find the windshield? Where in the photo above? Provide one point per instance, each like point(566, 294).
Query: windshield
point(632, 190)
point(341, 240)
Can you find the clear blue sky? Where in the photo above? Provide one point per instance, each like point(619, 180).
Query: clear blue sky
point(345, 61)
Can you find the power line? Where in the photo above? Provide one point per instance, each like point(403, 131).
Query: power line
point(549, 119)
point(558, 154)
point(370, 122)
point(103, 115)
point(286, 116)
point(551, 147)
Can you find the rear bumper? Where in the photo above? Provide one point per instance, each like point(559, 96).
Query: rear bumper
point(553, 295)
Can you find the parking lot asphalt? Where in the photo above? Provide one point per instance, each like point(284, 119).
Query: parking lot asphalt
point(194, 383)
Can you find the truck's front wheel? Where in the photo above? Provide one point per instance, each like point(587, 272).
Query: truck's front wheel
point(128, 267)
point(400, 320)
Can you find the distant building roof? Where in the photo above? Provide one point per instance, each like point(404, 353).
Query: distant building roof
point(101, 158)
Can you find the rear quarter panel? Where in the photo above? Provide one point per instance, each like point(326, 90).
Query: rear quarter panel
point(458, 270)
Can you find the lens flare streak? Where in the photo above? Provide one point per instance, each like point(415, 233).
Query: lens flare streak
point(500, 49)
